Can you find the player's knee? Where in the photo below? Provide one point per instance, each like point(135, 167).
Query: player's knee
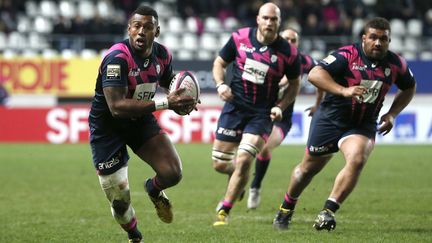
point(120, 206)
point(170, 178)
point(249, 149)
point(223, 161)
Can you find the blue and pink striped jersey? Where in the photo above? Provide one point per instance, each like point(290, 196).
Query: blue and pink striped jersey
point(257, 69)
point(121, 67)
point(349, 66)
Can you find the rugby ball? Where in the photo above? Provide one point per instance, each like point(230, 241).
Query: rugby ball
point(187, 80)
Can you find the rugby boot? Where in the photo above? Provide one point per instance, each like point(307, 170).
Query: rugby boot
point(254, 198)
point(221, 218)
point(283, 218)
point(325, 220)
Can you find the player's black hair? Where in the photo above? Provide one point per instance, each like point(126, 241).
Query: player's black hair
point(146, 10)
point(377, 23)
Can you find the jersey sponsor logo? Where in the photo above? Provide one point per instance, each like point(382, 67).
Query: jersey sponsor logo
point(263, 49)
point(146, 62)
point(145, 92)
point(243, 47)
point(329, 59)
point(133, 72)
point(113, 71)
point(319, 149)
point(158, 68)
point(356, 66)
point(227, 132)
point(254, 71)
point(273, 58)
point(373, 88)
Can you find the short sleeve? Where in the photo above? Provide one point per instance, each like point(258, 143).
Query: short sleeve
point(228, 51)
point(114, 72)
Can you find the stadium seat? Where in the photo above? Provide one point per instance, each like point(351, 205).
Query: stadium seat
point(24, 24)
point(209, 41)
point(16, 40)
point(28, 53)
point(86, 9)
point(212, 24)
point(411, 44)
point(223, 38)
point(68, 54)
point(184, 55)
point(191, 24)
point(49, 53)
point(189, 41)
point(163, 9)
point(3, 41)
point(357, 26)
point(37, 41)
point(426, 56)
point(88, 53)
point(171, 40)
point(31, 8)
point(231, 23)
point(370, 3)
point(9, 54)
point(398, 27)
point(175, 24)
point(205, 55)
point(409, 55)
point(48, 9)
point(42, 25)
point(105, 9)
point(67, 9)
point(317, 54)
point(415, 27)
point(396, 44)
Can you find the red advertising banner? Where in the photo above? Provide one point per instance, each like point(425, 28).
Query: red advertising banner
point(68, 124)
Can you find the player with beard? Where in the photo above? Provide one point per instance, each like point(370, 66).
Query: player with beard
point(356, 79)
point(121, 115)
point(282, 127)
point(260, 59)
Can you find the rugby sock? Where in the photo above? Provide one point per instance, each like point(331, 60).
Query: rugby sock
point(131, 226)
point(332, 205)
point(132, 231)
point(261, 165)
point(152, 187)
point(289, 202)
point(226, 206)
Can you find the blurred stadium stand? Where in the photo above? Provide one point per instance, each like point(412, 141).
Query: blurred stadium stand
point(196, 29)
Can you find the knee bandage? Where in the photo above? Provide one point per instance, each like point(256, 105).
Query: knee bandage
point(222, 156)
point(249, 148)
point(116, 189)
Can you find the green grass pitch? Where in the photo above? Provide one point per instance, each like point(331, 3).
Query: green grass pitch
point(50, 193)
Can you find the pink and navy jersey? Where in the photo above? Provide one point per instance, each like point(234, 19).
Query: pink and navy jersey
point(258, 68)
point(350, 67)
point(307, 63)
point(121, 67)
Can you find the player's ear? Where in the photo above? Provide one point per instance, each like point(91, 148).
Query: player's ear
point(157, 31)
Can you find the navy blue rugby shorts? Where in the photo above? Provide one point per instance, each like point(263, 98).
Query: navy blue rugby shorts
point(233, 122)
point(324, 134)
point(109, 137)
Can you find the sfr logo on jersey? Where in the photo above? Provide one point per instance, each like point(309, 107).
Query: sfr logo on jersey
point(145, 92)
point(254, 71)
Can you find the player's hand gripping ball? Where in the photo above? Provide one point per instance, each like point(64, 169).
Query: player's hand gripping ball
point(187, 80)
